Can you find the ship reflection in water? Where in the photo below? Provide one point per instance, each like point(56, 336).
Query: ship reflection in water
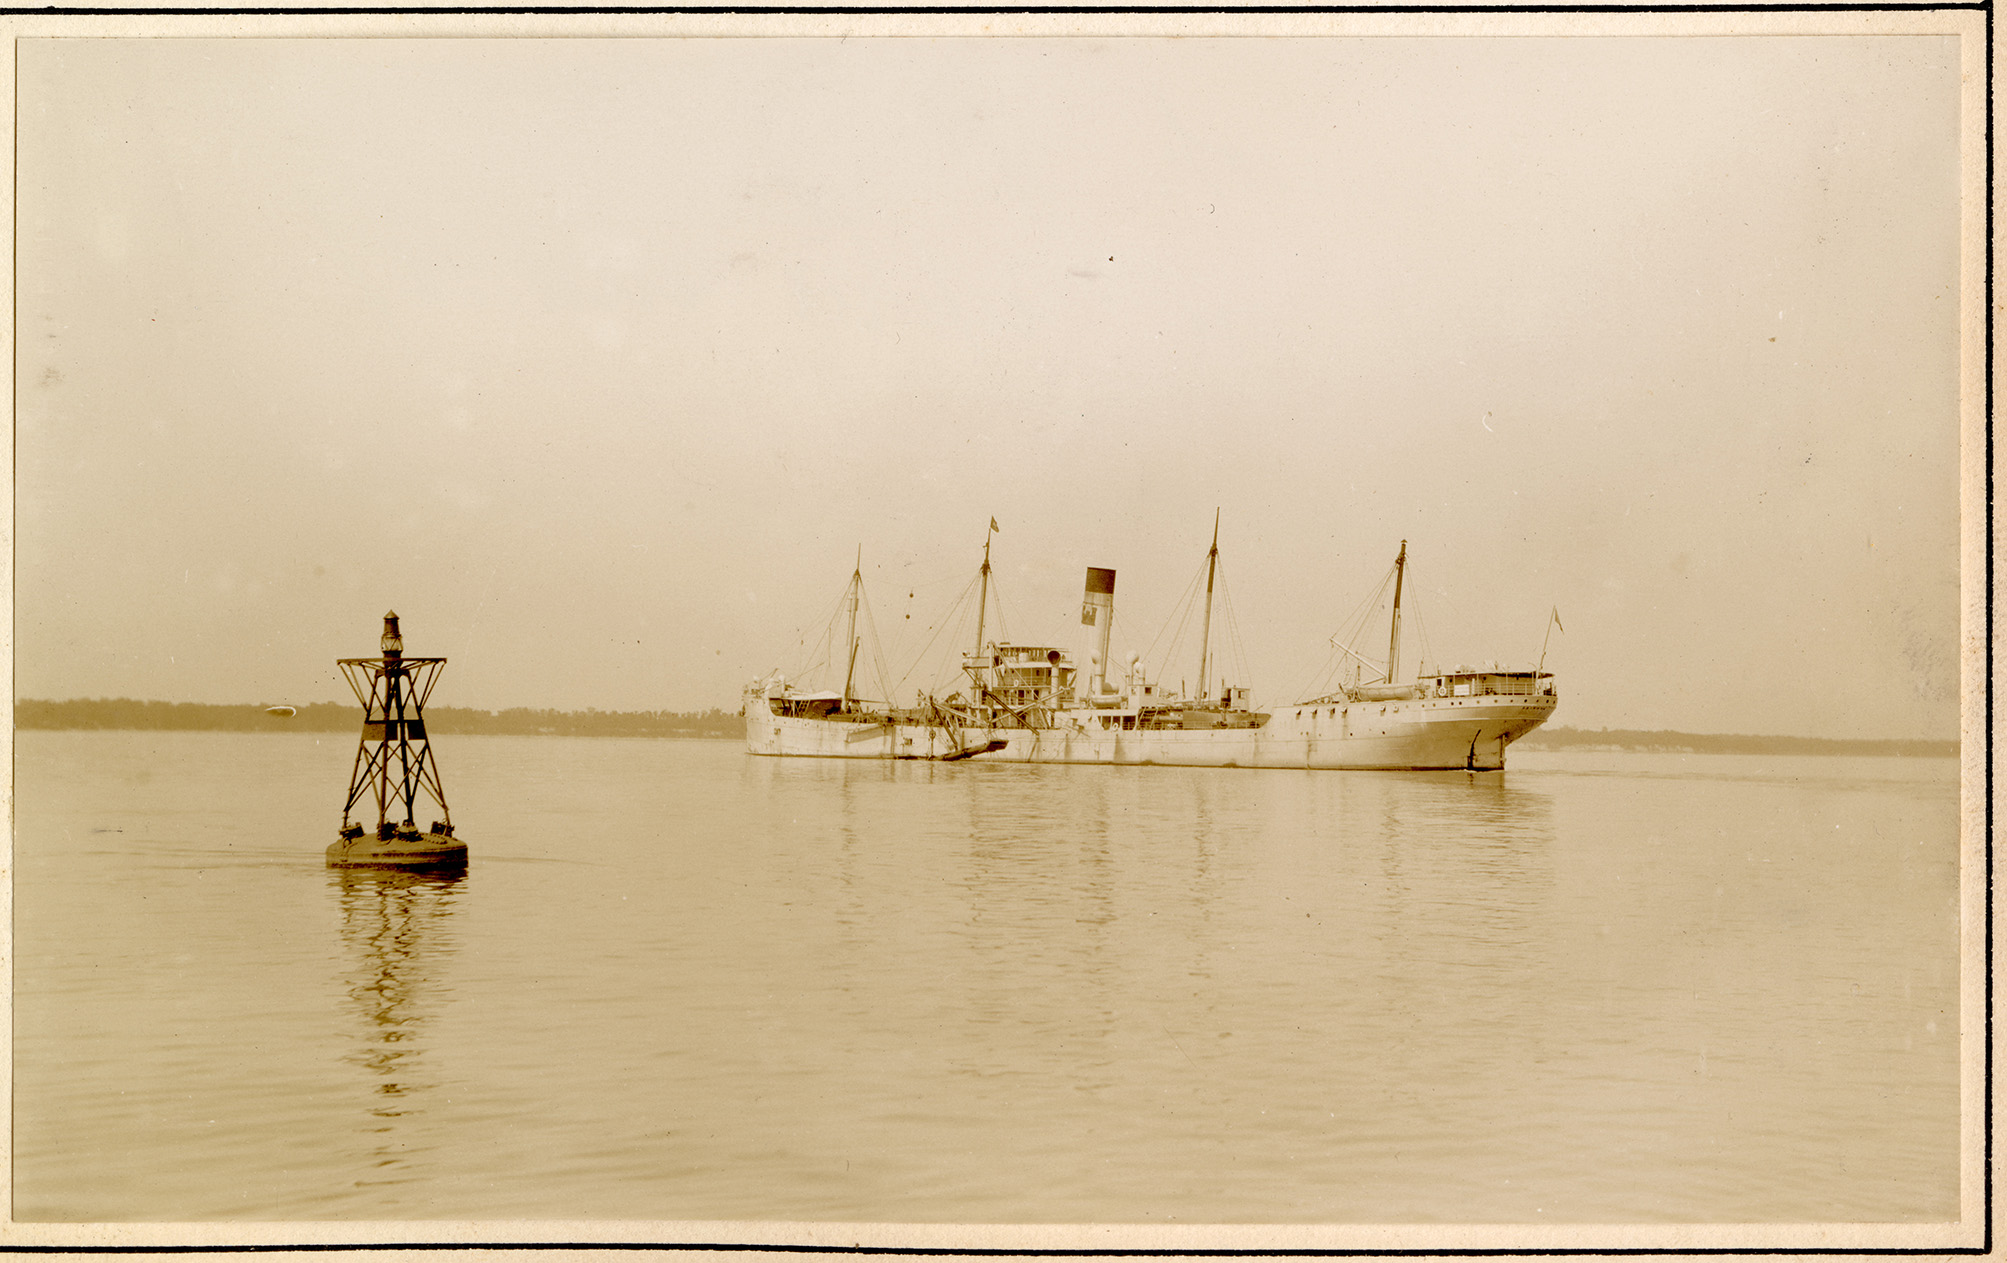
point(1600, 988)
point(395, 937)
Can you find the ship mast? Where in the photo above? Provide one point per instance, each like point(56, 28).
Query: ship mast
point(1394, 637)
point(850, 599)
point(983, 600)
point(1206, 627)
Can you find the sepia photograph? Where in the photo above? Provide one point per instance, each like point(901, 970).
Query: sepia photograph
point(1321, 631)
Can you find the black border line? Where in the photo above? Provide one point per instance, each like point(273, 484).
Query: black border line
point(1985, 1246)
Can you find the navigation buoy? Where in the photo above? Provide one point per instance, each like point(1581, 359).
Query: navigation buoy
point(394, 765)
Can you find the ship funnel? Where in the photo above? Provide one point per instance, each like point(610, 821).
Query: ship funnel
point(1098, 611)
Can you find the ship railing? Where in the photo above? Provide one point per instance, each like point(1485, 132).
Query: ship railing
point(1485, 684)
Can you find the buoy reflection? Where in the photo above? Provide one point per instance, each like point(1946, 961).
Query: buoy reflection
point(394, 930)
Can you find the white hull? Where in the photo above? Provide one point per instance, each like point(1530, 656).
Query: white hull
point(1413, 733)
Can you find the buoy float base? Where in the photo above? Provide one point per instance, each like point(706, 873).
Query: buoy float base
point(406, 848)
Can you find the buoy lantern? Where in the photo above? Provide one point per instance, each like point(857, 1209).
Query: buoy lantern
point(394, 765)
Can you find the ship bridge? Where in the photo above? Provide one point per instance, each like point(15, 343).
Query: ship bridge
point(1019, 676)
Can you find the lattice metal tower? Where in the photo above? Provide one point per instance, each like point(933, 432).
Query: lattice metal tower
point(394, 764)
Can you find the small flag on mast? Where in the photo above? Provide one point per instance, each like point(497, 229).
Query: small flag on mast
point(994, 526)
point(1553, 621)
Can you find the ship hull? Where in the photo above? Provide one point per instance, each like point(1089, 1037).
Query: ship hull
point(1417, 733)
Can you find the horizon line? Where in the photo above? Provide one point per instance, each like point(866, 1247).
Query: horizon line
point(1549, 729)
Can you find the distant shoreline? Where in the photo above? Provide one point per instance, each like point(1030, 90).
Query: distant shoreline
point(1661, 742)
point(128, 715)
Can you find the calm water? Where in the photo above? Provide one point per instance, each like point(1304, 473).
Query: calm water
point(681, 983)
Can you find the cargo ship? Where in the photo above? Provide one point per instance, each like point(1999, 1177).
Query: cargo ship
point(1023, 703)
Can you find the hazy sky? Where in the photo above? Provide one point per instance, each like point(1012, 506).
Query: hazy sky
point(599, 359)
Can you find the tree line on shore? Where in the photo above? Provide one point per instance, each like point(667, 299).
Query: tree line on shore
point(123, 712)
point(126, 713)
point(1661, 742)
